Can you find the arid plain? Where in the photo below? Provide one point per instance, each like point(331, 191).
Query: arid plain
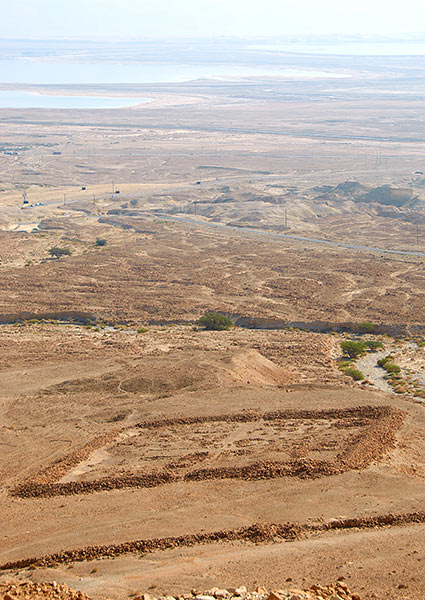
point(141, 454)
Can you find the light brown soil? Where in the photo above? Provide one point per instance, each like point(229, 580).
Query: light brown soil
point(187, 489)
point(180, 271)
point(55, 421)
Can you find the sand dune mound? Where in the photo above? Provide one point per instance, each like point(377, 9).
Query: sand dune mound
point(186, 371)
point(249, 366)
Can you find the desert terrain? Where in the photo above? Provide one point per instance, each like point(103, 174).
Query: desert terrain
point(141, 454)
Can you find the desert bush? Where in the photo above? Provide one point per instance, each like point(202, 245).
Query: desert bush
point(142, 329)
point(366, 327)
point(354, 373)
point(343, 364)
point(383, 361)
point(374, 344)
point(215, 321)
point(391, 368)
point(353, 349)
point(57, 252)
point(101, 242)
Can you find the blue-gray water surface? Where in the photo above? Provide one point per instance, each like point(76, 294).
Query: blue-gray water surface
point(47, 72)
point(22, 99)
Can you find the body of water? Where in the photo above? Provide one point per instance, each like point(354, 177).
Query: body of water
point(47, 72)
point(359, 48)
point(18, 99)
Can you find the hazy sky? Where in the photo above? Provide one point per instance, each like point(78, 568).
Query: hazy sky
point(139, 18)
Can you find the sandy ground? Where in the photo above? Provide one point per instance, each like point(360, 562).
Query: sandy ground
point(71, 398)
point(152, 271)
point(55, 418)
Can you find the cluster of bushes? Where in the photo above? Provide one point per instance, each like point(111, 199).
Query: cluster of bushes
point(57, 252)
point(396, 381)
point(213, 321)
point(356, 374)
point(355, 348)
point(387, 364)
point(366, 327)
point(374, 345)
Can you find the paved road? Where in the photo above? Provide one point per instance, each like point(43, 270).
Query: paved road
point(256, 232)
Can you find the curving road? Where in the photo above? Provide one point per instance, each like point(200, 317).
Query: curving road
point(289, 236)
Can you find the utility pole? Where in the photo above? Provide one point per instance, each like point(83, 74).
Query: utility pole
point(113, 187)
point(286, 219)
point(417, 234)
point(64, 199)
point(24, 196)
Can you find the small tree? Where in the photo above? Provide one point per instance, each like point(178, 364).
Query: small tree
point(374, 344)
point(215, 321)
point(56, 252)
point(101, 242)
point(366, 327)
point(353, 349)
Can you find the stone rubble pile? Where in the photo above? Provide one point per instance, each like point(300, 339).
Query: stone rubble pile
point(255, 533)
point(39, 591)
point(336, 591)
point(55, 591)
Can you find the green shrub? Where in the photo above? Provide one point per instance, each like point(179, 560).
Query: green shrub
point(374, 344)
point(392, 368)
point(215, 321)
point(343, 364)
point(142, 329)
point(101, 242)
point(354, 373)
point(353, 349)
point(366, 327)
point(383, 361)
